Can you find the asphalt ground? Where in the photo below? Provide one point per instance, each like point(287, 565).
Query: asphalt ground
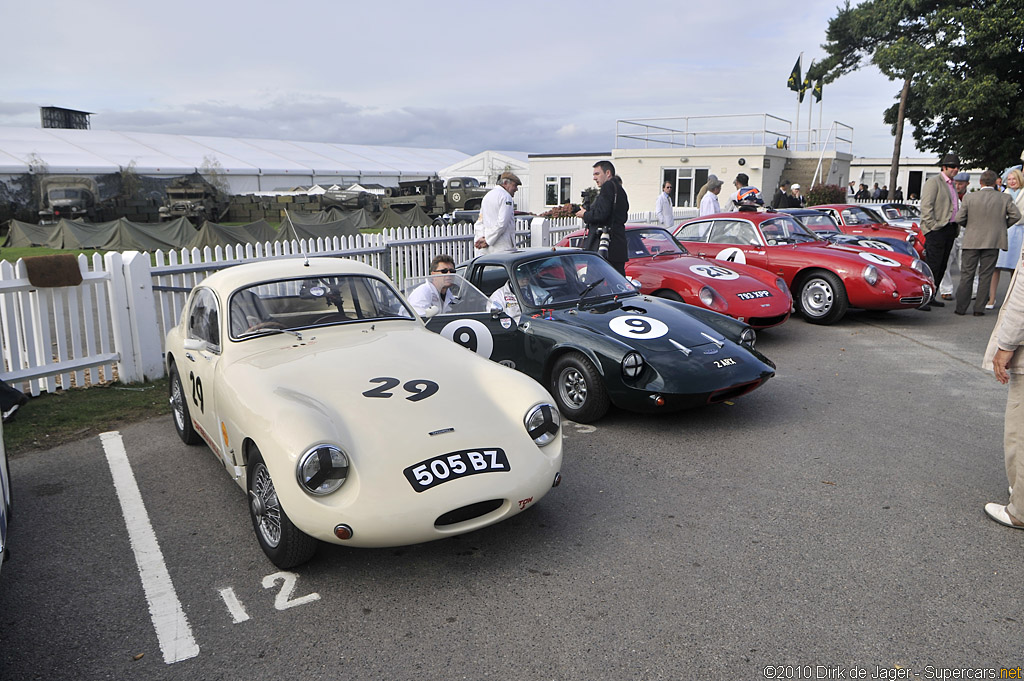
point(828, 525)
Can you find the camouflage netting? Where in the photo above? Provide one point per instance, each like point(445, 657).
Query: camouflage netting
point(414, 217)
point(213, 235)
point(294, 227)
point(117, 235)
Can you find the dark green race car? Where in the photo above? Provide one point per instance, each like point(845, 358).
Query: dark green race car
point(566, 318)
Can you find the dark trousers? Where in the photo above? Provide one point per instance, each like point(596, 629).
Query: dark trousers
point(984, 261)
point(938, 244)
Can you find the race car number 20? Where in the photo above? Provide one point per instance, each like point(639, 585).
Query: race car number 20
point(440, 469)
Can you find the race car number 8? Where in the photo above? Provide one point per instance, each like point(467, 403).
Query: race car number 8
point(635, 326)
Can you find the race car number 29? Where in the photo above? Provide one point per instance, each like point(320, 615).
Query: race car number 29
point(440, 469)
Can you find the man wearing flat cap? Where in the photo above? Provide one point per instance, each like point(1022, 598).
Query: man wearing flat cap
point(495, 230)
point(939, 205)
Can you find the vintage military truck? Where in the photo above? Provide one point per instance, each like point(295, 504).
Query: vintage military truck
point(196, 199)
point(66, 197)
point(436, 197)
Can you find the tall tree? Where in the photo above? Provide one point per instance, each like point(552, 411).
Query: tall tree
point(959, 65)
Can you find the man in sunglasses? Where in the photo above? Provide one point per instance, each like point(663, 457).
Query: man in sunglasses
point(435, 295)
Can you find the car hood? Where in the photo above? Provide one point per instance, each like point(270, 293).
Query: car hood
point(346, 381)
point(644, 323)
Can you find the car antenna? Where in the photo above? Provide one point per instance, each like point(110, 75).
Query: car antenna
point(305, 255)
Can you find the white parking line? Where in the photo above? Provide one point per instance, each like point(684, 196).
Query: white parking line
point(172, 629)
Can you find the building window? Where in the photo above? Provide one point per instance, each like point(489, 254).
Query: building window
point(686, 182)
point(557, 190)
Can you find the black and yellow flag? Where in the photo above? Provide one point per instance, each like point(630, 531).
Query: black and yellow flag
point(806, 84)
point(817, 90)
point(794, 78)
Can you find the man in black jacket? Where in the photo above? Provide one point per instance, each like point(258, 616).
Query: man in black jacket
point(609, 211)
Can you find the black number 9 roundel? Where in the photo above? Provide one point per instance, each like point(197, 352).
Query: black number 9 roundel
point(470, 334)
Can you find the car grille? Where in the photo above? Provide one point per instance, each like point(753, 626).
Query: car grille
point(731, 392)
point(461, 515)
point(766, 321)
point(912, 300)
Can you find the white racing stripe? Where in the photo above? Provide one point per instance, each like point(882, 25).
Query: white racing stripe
point(172, 629)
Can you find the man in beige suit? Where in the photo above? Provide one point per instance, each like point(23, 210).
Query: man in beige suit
point(985, 216)
point(939, 205)
point(1004, 356)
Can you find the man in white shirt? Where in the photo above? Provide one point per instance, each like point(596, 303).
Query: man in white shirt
point(709, 204)
point(434, 295)
point(495, 229)
point(663, 207)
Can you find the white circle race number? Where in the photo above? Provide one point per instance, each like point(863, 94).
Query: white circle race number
point(732, 254)
point(716, 272)
point(635, 326)
point(471, 334)
point(879, 245)
point(876, 259)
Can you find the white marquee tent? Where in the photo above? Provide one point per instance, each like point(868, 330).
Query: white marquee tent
point(249, 165)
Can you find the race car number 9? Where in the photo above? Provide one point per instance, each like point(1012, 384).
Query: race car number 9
point(637, 326)
point(470, 334)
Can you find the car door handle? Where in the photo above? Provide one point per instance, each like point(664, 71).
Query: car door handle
point(190, 357)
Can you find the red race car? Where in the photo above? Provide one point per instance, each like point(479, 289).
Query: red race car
point(825, 278)
point(855, 219)
point(666, 269)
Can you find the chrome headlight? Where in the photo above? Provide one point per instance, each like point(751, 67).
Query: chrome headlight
point(781, 284)
point(706, 295)
point(922, 267)
point(542, 423)
point(322, 470)
point(632, 364)
point(871, 274)
point(748, 337)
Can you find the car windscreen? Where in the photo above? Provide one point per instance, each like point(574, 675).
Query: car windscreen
point(290, 304)
point(466, 298)
point(562, 280)
point(786, 230)
point(818, 221)
point(646, 243)
point(858, 215)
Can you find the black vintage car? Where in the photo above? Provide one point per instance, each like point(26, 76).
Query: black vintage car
point(578, 327)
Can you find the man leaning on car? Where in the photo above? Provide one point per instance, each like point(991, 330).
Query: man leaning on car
point(939, 205)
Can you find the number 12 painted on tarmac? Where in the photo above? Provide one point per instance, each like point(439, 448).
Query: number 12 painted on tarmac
point(282, 601)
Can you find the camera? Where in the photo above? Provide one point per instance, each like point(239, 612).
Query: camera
point(602, 243)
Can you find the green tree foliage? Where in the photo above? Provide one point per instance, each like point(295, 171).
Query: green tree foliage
point(961, 62)
point(822, 194)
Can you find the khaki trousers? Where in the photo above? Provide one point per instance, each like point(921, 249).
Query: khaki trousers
point(1013, 444)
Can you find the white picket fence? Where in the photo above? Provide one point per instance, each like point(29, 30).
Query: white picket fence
point(113, 324)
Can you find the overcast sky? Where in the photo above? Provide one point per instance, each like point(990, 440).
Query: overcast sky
point(538, 76)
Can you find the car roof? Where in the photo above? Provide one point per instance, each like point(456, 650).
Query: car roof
point(506, 257)
point(246, 274)
point(756, 217)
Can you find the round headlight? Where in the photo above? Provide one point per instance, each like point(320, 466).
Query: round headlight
point(871, 275)
point(542, 423)
point(781, 284)
point(922, 267)
point(632, 364)
point(706, 295)
point(322, 469)
point(748, 337)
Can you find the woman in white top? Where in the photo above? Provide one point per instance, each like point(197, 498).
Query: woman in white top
point(1014, 181)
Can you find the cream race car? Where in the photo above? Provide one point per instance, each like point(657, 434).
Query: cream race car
point(344, 418)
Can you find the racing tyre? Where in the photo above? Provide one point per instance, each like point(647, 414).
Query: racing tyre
point(822, 298)
point(285, 545)
point(578, 389)
point(179, 410)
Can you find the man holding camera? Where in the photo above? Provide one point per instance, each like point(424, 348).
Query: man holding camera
point(606, 217)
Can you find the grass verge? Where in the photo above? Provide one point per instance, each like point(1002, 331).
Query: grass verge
point(51, 420)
